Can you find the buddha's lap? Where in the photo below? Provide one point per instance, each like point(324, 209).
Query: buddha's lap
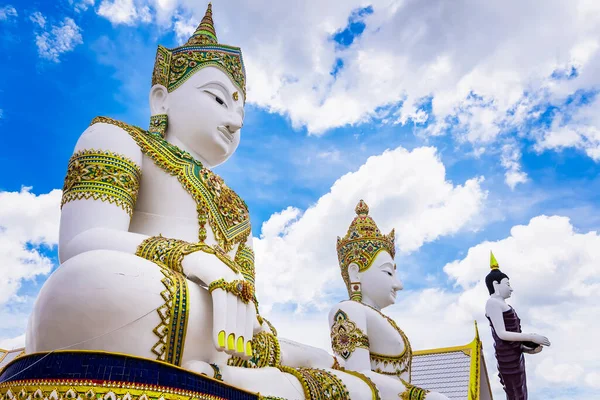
point(99, 291)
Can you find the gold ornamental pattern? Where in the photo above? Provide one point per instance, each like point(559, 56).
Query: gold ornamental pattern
point(102, 175)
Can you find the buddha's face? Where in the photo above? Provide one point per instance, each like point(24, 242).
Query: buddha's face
point(503, 288)
point(206, 114)
point(379, 283)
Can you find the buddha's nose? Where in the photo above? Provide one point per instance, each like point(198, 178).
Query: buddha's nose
point(398, 284)
point(234, 124)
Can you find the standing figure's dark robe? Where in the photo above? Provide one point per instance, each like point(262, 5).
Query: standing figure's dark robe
point(511, 363)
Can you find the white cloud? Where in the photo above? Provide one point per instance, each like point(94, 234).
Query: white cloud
point(184, 29)
point(27, 223)
point(81, 5)
point(7, 12)
point(574, 127)
point(593, 379)
point(482, 82)
point(124, 12)
point(405, 190)
point(38, 19)
point(59, 39)
point(511, 156)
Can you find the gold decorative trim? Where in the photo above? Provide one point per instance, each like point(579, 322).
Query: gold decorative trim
point(174, 314)
point(346, 337)
point(240, 288)
point(165, 252)
point(104, 176)
point(374, 391)
point(319, 384)
point(73, 389)
point(403, 361)
point(244, 257)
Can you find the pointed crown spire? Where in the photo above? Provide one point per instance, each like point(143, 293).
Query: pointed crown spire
point(205, 32)
point(493, 262)
point(363, 242)
point(172, 67)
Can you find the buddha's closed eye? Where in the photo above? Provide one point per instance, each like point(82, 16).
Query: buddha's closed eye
point(217, 98)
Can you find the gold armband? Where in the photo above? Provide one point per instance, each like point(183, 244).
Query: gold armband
point(170, 252)
point(102, 175)
point(244, 257)
point(240, 288)
point(166, 252)
point(346, 336)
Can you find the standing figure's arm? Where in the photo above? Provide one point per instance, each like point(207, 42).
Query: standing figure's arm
point(493, 310)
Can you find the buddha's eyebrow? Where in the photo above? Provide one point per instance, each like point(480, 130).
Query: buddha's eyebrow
point(216, 85)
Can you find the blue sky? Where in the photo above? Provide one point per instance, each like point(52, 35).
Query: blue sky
point(291, 156)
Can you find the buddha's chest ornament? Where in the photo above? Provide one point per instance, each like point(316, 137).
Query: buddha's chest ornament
point(217, 204)
point(394, 364)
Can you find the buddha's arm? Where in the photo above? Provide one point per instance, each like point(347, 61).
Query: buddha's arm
point(493, 310)
point(349, 339)
point(100, 192)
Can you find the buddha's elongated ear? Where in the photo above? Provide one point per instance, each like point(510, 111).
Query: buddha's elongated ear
point(353, 272)
point(495, 284)
point(159, 100)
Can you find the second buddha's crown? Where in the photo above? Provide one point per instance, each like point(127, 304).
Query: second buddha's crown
point(363, 242)
point(173, 67)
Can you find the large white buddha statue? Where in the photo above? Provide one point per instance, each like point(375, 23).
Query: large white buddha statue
point(367, 340)
point(156, 250)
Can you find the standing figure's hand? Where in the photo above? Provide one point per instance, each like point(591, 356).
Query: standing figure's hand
point(539, 339)
point(234, 312)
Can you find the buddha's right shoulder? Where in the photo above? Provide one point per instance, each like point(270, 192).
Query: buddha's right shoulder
point(106, 134)
point(349, 307)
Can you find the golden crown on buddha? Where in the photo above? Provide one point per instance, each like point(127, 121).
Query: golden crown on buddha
point(173, 67)
point(362, 243)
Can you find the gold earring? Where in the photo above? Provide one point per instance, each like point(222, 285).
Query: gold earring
point(235, 96)
point(355, 291)
point(158, 124)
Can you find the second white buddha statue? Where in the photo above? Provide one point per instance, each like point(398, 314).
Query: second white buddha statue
point(366, 339)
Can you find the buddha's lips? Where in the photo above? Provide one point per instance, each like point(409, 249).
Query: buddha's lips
point(228, 135)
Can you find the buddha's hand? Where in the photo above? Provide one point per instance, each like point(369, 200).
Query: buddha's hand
point(539, 339)
point(234, 311)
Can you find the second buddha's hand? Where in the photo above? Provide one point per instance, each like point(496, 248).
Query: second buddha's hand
point(233, 313)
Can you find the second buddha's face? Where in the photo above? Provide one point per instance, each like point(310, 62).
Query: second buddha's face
point(379, 283)
point(503, 288)
point(206, 114)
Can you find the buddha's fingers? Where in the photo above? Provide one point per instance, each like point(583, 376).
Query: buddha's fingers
point(231, 324)
point(240, 329)
point(219, 298)
point(249, 328)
